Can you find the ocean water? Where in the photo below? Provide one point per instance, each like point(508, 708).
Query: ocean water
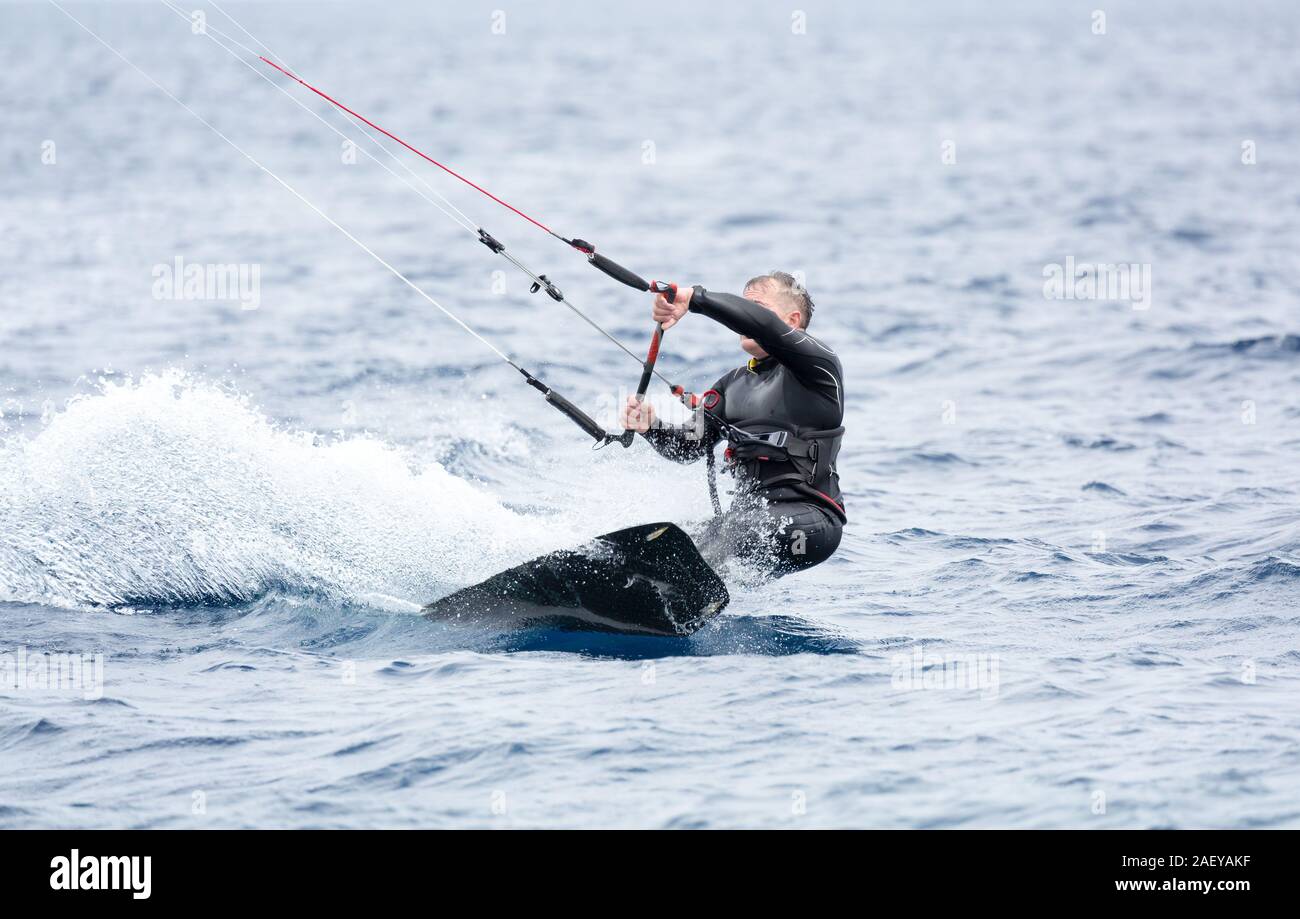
point(1068, 592)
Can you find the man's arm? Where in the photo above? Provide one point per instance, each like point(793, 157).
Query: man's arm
point(680, 443)
point(814, 364)
point(686, 443)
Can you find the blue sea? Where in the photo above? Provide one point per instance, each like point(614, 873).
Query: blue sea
point(1068, 592)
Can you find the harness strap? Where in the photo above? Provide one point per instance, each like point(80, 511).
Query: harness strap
point(711, 461)
point(807, 460)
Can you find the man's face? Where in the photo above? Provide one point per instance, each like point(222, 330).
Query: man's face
point(766, 297)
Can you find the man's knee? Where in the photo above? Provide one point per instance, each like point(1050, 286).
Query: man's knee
point(807, 537)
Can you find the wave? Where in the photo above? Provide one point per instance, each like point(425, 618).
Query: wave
point(1102, 442)
point(1188, 360)
point(1102, 488)
point(1265, 344)
point(768, 636)
point(169, 490)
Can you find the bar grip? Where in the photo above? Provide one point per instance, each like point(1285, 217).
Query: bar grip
point(648, 368)
point(647, 371)
point(668, 290)
point(576, 415)
point(617, 271)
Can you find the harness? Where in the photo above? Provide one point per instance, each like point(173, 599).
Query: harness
point(802, 460)
point(778, 457)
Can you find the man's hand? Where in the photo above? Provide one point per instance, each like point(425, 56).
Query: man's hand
point(666, 313)
point(638, 415)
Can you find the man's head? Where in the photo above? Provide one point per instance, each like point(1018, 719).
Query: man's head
point(782, 294)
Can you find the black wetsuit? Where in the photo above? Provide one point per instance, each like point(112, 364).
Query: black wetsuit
point(794, 398)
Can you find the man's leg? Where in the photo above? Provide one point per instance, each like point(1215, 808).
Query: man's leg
point(778, 538)
point(806, 535)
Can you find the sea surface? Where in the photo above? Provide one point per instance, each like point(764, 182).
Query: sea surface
point(1068, 593)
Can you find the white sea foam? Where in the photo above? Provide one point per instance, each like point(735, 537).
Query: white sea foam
point(169, 489)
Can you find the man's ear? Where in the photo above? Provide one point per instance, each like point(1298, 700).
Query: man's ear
point(794, 319)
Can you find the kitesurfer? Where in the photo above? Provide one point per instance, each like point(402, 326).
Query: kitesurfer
point(782, 416)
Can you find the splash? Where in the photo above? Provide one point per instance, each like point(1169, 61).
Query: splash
point(169, 490)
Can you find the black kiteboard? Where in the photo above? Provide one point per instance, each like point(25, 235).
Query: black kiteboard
point(646, 580)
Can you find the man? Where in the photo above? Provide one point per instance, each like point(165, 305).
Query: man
point(782, 416)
